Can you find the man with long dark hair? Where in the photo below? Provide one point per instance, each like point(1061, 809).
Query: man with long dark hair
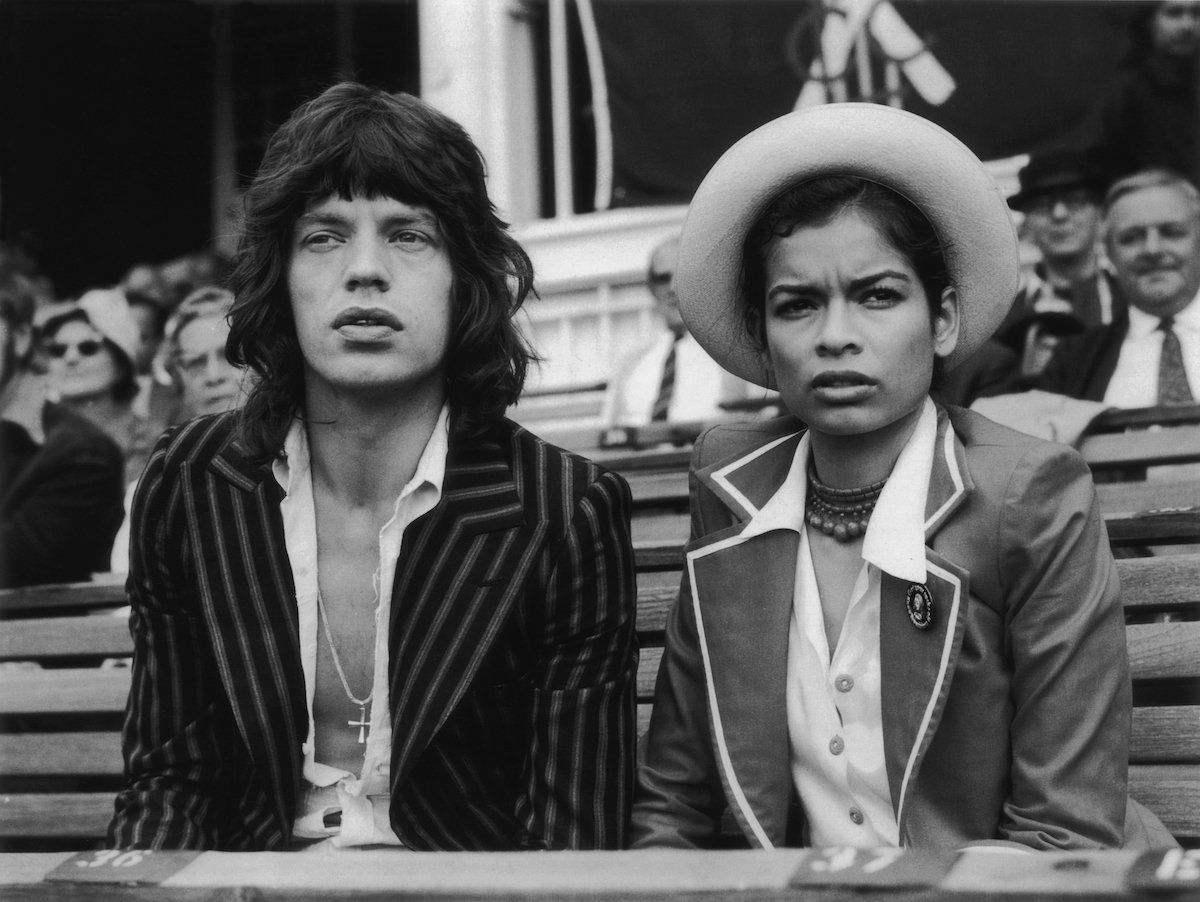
point(367, 608)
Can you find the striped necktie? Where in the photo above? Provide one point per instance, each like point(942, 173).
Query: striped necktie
point(1173, 385)
point(666, 387)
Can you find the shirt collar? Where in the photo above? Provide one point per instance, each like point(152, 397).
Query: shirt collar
point(895, 540)
point(293, 465)
point(1142, 323)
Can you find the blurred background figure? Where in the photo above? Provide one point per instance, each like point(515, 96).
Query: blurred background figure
point(91, 346)
point(192, 361)
point(1066, 290)
point(193, 354)
point(1150, 116)
point(670, 378)
point(61, 477)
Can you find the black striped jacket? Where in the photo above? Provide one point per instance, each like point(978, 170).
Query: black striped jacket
point(512, 654)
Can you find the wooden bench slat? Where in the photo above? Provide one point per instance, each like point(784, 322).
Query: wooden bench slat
point(650, 489)
point(58, 815)
point(94, 754)
point(50, 599)
point(1129, 497)
point(1165, 581)
point(68, 691)
point(1164, 650)
point(1166, 733)
point(1141, 417)
point(48, 637)
point(1178, 444)
point(648, 662)
point(1156, 527)
point(1172, 791)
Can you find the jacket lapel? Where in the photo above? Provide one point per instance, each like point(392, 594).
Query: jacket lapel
point(248, 600)
point(464, 564)
point(743, 630)
point(917, 661)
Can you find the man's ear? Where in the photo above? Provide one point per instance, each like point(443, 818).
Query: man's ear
point(945, 324)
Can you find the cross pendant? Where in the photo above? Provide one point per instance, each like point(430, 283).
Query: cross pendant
point(362, 723)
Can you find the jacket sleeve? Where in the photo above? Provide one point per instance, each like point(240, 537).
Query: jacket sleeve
point(74, 512)
point(580, 780)
point(679, 798)
point(177, 766)
point(1070, 674)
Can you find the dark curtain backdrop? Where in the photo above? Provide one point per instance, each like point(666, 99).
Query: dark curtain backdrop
point(686, 80)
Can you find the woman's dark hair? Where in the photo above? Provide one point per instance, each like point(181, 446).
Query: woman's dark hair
point(355, 141)
point(818, 201)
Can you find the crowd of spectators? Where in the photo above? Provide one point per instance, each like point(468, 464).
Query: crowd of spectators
point(86, 386)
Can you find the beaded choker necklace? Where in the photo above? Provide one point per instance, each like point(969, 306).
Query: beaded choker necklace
point(841, 513)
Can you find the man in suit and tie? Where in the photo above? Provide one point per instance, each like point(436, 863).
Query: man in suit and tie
point(1151, 354)
point(669, 377)
point(368, 609)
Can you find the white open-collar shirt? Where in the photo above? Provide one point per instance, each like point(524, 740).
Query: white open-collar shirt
point(364, 797)
point(835, 722)
point(1134, 382)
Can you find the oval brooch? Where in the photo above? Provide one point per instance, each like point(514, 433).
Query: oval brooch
point(920, 606)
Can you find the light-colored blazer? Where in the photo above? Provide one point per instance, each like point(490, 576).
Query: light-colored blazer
point(512, 653)
point(1007, 719)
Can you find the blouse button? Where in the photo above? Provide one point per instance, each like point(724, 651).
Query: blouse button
point(844, 683)
point(856, 816)
point(836, 745)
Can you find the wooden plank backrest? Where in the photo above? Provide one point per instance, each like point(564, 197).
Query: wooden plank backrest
point(1176, 445)
point(1164, 755)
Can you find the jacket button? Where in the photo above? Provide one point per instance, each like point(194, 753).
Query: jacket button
point(856, 816)
point(844, 683)
point(836, 745)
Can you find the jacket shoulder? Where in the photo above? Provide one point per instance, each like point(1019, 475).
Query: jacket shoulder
point(197, 442)
point(567, 472)
point(730, 440)
point(994, 451)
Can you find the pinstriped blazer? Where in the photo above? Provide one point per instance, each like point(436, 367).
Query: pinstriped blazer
point(512, 654)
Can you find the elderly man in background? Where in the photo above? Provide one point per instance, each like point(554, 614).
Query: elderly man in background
point(1150, 355)
point(669, 377)
point(60, 475)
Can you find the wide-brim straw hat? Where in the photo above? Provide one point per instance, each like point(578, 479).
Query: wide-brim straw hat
point(914, 157)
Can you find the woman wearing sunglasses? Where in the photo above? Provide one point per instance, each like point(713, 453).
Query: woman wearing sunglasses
point(899, 626)
point(90, 345)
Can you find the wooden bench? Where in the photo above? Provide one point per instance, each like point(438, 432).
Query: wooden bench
point(60, 760)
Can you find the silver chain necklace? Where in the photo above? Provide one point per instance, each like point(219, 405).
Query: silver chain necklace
point(362, 723)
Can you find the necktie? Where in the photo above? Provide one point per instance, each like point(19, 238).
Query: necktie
point(1173, 385)
point(666, 387)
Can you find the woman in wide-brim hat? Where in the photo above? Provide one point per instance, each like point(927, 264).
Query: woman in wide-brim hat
point(901, 625)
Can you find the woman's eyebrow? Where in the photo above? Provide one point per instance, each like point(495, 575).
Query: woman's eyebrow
point(800, 283)
point(869, 280)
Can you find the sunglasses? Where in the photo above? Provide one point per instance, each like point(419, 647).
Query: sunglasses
point(86, 348)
